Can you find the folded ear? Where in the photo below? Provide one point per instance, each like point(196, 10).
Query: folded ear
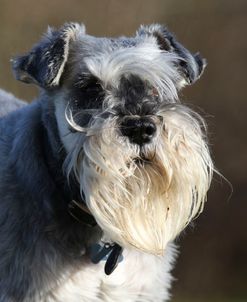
point(190, 65)
point(44, 64)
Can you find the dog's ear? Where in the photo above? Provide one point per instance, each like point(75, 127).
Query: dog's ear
point(190, 65)
point(44, 64)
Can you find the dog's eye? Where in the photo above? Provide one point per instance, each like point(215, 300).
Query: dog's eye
point(88, 83)
point(92, 85)
point(89, 86)
point(87, 93)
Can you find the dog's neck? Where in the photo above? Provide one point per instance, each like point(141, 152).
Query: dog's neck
point(55, 155)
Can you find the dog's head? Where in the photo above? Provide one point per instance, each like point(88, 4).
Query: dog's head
point(140, 157)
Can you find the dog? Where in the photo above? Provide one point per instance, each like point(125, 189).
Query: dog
point(103, 171)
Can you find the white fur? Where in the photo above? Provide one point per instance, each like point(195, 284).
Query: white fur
point(156, 65)
point(143, 206)
point(140, 277)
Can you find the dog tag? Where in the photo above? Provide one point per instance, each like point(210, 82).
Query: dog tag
point(113, 259)
point(99, 252)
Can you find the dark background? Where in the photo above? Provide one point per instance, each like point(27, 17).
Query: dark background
point(212, 265)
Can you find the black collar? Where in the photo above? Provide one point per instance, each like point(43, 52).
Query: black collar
point(81, 213)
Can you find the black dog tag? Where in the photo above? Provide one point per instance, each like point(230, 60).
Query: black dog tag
point(113, 259)
point(99, 252)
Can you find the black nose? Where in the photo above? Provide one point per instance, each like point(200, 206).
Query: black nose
point(139, 130)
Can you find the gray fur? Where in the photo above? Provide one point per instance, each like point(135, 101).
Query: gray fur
point(8, 102)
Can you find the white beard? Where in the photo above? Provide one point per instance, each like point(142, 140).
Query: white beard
point(144, 205)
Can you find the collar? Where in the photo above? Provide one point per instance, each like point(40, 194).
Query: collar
point(80, 212)
point(110, 252)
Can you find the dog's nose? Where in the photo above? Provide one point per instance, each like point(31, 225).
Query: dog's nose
point(139, 130)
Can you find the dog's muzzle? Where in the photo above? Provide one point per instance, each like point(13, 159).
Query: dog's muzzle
point(139, 130)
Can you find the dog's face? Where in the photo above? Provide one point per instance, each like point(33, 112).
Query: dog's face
point(140, 158)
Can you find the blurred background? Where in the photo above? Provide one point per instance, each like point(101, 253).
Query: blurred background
point(212, 265)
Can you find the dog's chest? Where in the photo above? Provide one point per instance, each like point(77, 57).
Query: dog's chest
point(139, 277)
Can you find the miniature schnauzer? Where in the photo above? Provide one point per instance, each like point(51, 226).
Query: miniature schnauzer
point(101, 173)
